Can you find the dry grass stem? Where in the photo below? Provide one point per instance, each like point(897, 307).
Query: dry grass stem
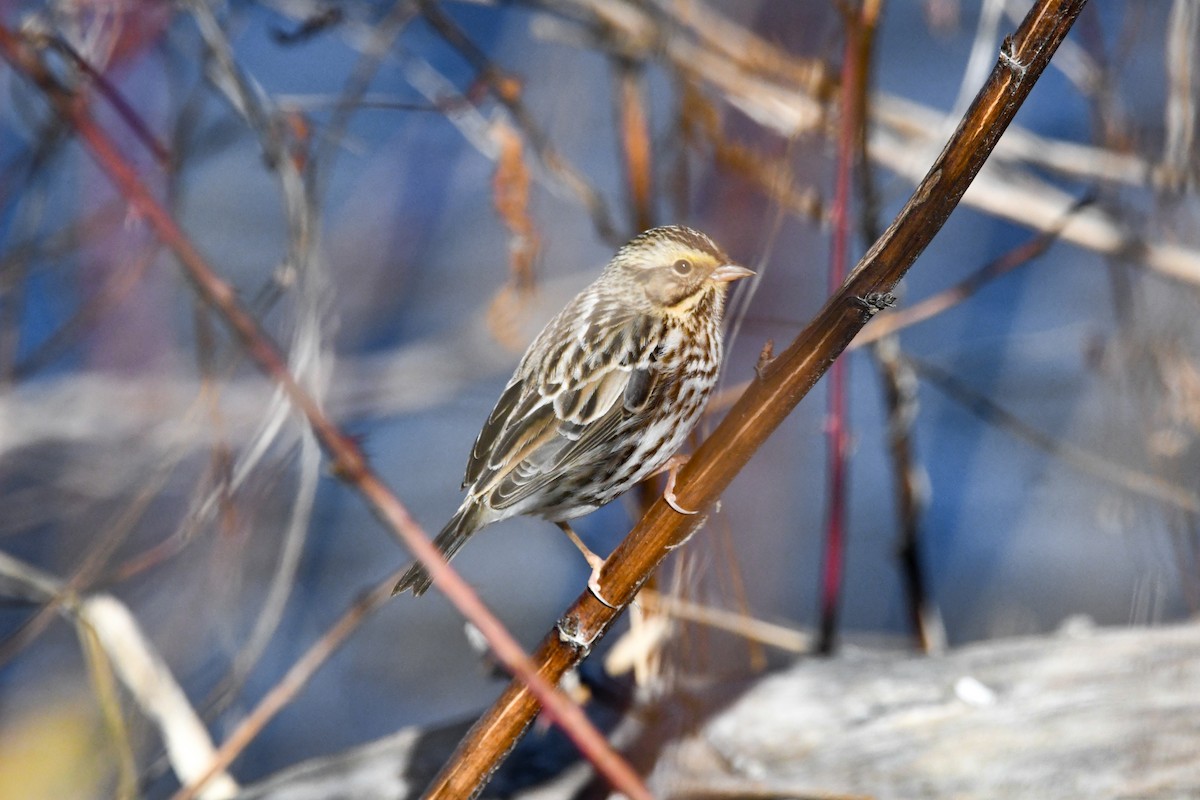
point(778, 636)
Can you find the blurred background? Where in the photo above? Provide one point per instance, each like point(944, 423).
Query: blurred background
point(405, 192)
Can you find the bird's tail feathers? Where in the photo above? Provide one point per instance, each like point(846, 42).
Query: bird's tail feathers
point(460, 527)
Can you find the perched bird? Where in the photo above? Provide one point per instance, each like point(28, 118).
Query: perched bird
point(604, 396)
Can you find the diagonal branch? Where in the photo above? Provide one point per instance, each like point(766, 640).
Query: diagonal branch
point(778, 389)
point(347, 459)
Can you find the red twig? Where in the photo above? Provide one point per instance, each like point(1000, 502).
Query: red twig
point(124, 110)
point(837, 428)
point(347, 459)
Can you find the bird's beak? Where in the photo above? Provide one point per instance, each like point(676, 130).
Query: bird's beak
point(728, 273)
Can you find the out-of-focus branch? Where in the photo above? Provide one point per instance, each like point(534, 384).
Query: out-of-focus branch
point(510, 198)
point(308, 356)
point(909, 478)
point(347, 459)
point(765, 83)
point(115, 287)
point(778, 389)
point(141, 669)
point(899, 127)
point(507, 91)
point(105, 542)
point(1180, 168)
point(748, 627)
point(134, 120)
point(1088, 462)
point(1038, 205)
point(295, 679)
point(377, 45)
point(911, 489)
point(97, 407)
point(915, 122)
point(633, 134)
point(859, 24)
point(701, 127)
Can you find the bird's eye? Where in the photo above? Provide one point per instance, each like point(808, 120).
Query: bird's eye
point(682, 266)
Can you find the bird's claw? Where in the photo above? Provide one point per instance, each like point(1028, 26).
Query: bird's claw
point(673, 502)
point(597, 564)
point(672, 466)
point(594, 585)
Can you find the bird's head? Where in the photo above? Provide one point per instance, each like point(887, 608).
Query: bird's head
point(677, 268)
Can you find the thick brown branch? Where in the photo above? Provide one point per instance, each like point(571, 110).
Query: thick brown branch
point(779, 388)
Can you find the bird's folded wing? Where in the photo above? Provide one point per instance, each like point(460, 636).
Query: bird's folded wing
point(546, 420)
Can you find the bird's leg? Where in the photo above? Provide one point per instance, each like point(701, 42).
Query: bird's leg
point(672, 467)
point(594, 561)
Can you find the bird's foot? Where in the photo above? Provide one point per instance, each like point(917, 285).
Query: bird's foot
point(594, 561)
point(672, 467)
point(594, 584)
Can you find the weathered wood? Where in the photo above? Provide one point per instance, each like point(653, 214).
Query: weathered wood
point(1084, 714)
point(1112, 714)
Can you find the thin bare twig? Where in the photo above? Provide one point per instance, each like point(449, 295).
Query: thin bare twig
point(634, 136)
point(141, 669)
point(307, 353)
point(507, 91)
point(755, 630)
point(116, 286)
point(911, 484)
point(105, 543)
point(382, 37)
point(110, 93)
point(296, 678)
point(1085, 461)
point(347, 459)
point(859, 25)
point(897, 126)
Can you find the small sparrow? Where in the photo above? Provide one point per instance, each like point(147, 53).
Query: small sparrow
point(604, 396)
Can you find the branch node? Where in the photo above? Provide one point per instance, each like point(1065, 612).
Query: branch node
point(874, 302)
point(570, 632)
point(765, 357)
point(1009, 59)
point(349, 466)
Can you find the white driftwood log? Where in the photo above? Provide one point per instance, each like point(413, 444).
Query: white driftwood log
point(1103, 714)
point(1083, 714)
